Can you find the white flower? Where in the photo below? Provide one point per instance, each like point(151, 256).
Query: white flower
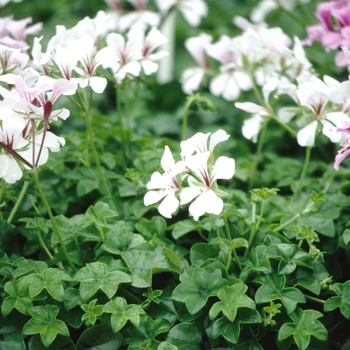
point(166, 185)
point(192, 10)
point(148, 45)
point(127, 55)
point(202, 184)
point(191, 78)
point(12, 142)
point(201, 143)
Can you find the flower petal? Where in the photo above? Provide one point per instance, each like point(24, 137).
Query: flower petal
point(224, 169)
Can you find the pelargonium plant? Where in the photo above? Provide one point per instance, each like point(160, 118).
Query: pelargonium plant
point(174, 176)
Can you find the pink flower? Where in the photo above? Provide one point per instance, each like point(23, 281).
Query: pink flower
point(334, 29)
point(343, 153)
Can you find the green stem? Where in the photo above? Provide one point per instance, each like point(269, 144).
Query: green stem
point(303, 173)
point(43, 245)
point(95, 154)
point(261, 214)
point(252, 230)
point(218, 233)
point(258, 154)
point(237, 260)
point(19, 201)
point(317, 300)
point(127, 102)
point(289, 129)
point(202, 235)
point(227, 228)
point(295, 17)
point(53, 221)
point(121, 124)
point(184, 125)
point(102, 234)
point(296, 216)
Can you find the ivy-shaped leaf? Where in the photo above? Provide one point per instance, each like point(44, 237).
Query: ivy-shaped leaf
point(185, 336)
point(92, 311)
point(231, 330)
point(96, 276)
point(121, 313)
point(120, 238)
point(195, 289)
point(305, 325)
point(144, 335)
point(273, 287)
point(342, 300)
point(99, 214)
point(232, 297)
point(18, 298)
point(289, 255)
point(50, 279)
point(44, 322)
point(148, 228)
point(256, 262)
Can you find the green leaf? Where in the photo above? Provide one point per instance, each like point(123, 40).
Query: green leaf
point(232, 297)
point(143, 263)
point(201, 252)
point(120, 239)
point(24, 267)
point(305, 325)
point(92, 311)
point(346, 236)
point(96, 276)
point(50, 279)
point(194, 289)
point(121, 313)
point(12, 341)
point(273, 287)
point(144, 335)
point(342, 300)
point(99, 214)
point(185, 336)
point(44, 322)
point(148, 228)
point(231, 330)
point(18, 298)
point(290, 255)
point(99, 337)
point(183, 227)
point(167, 346)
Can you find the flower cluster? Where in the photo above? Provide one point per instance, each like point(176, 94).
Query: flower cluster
point(77, 54)
point(30, 86)
point(193, 179)
point(257, 55)
point(192, 10)
point(334, 30)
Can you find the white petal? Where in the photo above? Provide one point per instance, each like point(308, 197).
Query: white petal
point(168, 205)
point(251, 128)
point(158, 181)
point(252, 108)
point(217, 137)
point(214, 204)
point(98, 84)
point(152, 197)
point(224, 169)
point(189, 193)
point(306, 136)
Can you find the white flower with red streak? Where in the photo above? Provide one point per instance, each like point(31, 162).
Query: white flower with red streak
point(165, 186)
point(202, 188)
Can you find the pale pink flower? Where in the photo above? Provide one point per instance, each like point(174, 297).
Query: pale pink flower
point(191, 78)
